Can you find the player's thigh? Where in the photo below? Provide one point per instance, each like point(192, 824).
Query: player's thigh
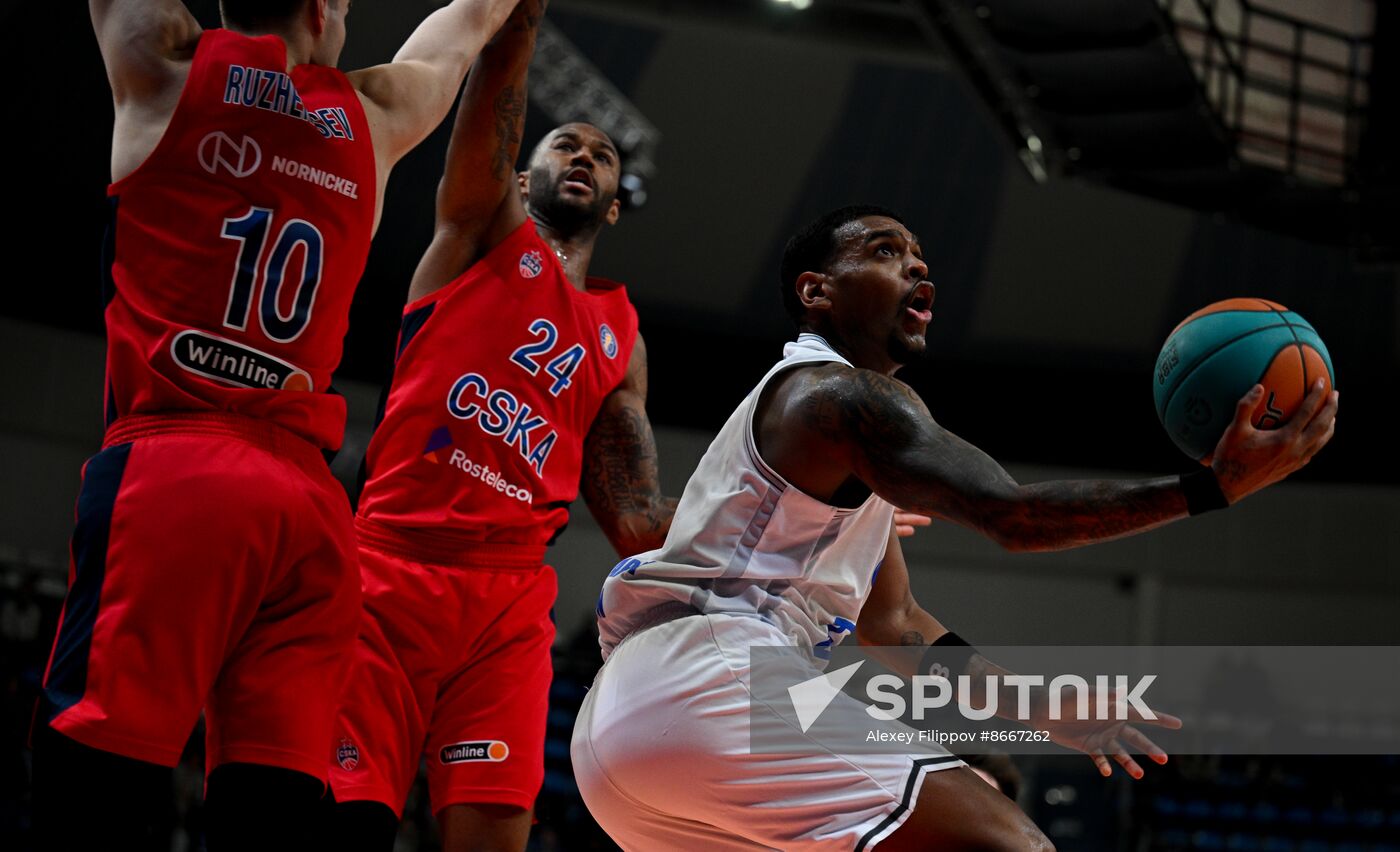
point(667, 730)
point(485, 743)
point(277, 694)
point(632, 825)
point(381, 722)
point(169, 571)
point(955, 810)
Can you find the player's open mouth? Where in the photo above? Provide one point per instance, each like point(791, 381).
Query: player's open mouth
point(578, 179)
point(920, 302)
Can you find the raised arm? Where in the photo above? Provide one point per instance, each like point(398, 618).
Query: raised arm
point(408, 97)
point(882, 431)
point(478, 200)
point(147, 47)
point(142, 42)
point(620, 478)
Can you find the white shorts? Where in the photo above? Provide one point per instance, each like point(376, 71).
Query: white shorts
point(661, 753)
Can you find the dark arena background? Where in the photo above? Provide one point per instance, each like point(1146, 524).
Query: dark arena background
point(1082, 176)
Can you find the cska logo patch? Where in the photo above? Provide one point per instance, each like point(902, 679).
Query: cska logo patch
point(347, 755)
point(531, 264)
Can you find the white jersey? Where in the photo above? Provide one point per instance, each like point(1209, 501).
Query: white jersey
point(745, 542)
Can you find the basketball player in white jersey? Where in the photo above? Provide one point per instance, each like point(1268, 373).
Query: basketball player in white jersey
point(776, 541)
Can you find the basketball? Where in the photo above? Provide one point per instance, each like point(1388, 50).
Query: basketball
point(1214, 356)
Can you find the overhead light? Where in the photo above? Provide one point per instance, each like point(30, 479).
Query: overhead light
point(796, 4)
point(632, 190)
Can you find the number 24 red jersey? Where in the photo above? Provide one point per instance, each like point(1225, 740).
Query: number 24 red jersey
point(498, 377)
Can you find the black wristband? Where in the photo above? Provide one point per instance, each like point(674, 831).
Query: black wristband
point(1202, 491)
point(947, 657)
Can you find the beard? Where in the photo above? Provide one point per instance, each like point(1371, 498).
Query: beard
point(904, 349)
point(565, 213)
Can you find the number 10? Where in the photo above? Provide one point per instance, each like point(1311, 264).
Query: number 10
point(251, 232)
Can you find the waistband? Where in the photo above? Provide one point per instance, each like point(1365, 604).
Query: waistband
point(439, 548)
point(217, 424)
point(662, 613)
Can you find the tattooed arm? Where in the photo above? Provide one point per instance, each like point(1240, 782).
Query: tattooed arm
point(478, 200)
point(620, 480)
point(883, 434)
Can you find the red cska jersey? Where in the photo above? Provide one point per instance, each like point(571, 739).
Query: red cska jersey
point(498, 378)
point(234, 249)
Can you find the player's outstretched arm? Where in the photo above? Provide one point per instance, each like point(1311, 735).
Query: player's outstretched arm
point(408, 97)
point(621, 483)
point(141, 43)
point(892, 618)
point(893, 445)
point(478, 200)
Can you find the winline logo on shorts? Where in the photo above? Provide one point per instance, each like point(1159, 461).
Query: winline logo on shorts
point(487, 751)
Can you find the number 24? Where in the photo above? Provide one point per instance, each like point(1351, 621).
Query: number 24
point(560, 368)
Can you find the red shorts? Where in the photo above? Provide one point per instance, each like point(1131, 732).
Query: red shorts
point(452, 665)
point(213, 567)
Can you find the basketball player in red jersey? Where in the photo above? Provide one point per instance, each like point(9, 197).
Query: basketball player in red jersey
point(516, 374)
point(213, 564)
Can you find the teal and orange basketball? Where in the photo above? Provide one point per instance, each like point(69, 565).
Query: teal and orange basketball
point(1218, 353)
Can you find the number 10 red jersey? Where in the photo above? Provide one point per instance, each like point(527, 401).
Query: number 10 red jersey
point(234, 249)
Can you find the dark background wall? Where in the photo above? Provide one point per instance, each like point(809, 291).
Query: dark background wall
point(1053, 299)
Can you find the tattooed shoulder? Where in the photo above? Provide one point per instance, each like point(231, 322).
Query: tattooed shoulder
point(817, 393)
point(841, 402)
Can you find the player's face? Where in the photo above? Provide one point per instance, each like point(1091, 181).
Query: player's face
point(880, 293)
point(573, 178)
